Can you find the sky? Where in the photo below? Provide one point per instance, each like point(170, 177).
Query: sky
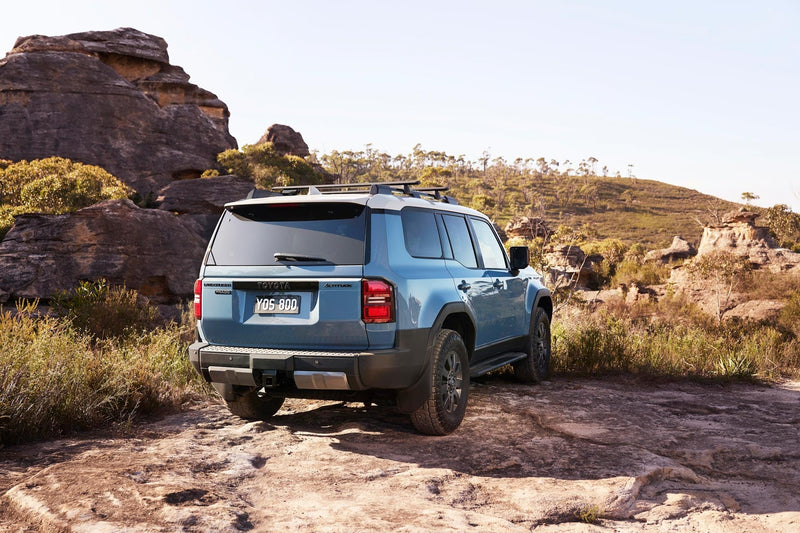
point(701, 94)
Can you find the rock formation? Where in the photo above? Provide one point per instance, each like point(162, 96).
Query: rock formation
point(569, 264)
point(679, 249)
point(202, 200)
point(285, 140)
point(527, 228)
point(738, 235)
point(150, 250)
point(109, 98)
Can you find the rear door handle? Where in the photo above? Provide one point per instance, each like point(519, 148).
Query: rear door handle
point(464, 286)
point(498, 284)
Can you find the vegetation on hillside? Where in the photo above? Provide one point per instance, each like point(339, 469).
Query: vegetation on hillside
point(583, 195)
point(53, 185)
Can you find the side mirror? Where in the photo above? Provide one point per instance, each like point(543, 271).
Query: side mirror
point(518, 256)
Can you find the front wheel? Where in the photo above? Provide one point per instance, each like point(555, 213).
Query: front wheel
point(536, 367)
point(448, 377)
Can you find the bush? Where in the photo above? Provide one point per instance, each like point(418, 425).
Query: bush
point(54, 185)
point(643, 274)
point(609, 344)
point(267, 167)
point(55, 379)
point(102, 311)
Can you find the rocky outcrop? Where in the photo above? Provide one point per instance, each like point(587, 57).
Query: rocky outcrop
point(112, 99)
point(738, 235)
point(527, 228)
point(201, 201)
point(569, 264)
point(285, 140)
point(150, 250)
point(679, 249)
point(757, 310)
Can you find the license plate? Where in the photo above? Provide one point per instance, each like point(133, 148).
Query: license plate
point(288, 304)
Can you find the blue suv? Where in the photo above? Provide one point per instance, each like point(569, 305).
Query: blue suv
point(374, 292)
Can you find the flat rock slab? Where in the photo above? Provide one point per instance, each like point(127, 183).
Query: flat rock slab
point(623, 455)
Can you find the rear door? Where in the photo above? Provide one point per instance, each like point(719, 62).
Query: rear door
point(473, 282)
point(286, 275)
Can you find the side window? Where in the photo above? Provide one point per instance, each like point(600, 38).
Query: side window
point(460, 240)
point(491, 250)
point(421, 234)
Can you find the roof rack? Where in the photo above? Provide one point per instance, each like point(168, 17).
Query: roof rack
point(381, 187)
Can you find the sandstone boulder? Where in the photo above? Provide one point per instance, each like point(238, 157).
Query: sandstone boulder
point(109, 98)
point(679, 249)
point(569, 264)
point(285, 140)
point(150, 250)
point(203, 196)
point(756, 310)
point(739, 235)
point(527, 228)
point(201, 201)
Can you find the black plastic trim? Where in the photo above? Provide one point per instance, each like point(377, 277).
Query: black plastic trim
point(273, 285)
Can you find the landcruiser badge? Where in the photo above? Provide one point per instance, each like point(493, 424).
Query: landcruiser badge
point(337, 285)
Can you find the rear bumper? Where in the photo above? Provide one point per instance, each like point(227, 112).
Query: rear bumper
point(394, 368)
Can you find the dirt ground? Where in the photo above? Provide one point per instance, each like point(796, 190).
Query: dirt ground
point(566, 455)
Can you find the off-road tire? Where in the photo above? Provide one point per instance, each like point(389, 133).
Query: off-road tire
point(536, 367)
point(249, 405)
point(448, 378)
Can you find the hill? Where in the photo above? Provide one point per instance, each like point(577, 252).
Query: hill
point(630, 209)
point(635, 210)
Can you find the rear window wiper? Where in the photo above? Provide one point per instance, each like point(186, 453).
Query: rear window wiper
point(281, 256)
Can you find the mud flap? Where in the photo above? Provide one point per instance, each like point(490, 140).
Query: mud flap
point(412, 398)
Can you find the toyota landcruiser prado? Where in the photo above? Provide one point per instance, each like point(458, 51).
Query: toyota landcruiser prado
point(364, 292)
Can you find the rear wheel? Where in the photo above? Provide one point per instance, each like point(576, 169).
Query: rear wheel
point(444, 409)
point(536, 366)
point(249, 405)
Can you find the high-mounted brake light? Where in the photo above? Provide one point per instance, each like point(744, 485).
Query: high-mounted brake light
point(198, 299)
point(377, 301)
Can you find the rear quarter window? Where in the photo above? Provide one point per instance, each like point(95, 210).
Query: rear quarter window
point(421, 234)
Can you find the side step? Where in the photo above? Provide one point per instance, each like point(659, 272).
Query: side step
point(496, 362)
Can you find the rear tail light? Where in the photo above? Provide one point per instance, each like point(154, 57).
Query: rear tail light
point(377, 301)
point(198, 299)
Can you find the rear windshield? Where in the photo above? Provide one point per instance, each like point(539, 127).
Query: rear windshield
point(285, 234)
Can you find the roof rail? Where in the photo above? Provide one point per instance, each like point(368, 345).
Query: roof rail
point(380, 187)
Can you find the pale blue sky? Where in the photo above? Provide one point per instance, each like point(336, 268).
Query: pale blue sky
point(698, 94)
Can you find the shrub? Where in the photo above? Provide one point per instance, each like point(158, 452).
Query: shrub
point(55, 379)
point(102, 311)
point(57, 185)
point(609, 344)
point(267, 167)
point(789, 318)
point(630, 272)
point(53, 185)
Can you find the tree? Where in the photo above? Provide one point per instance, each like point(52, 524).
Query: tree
point(749, 197)
point(725, 271)
point(784, 225)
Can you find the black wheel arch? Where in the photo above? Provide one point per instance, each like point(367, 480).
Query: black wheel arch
point(457, 317)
